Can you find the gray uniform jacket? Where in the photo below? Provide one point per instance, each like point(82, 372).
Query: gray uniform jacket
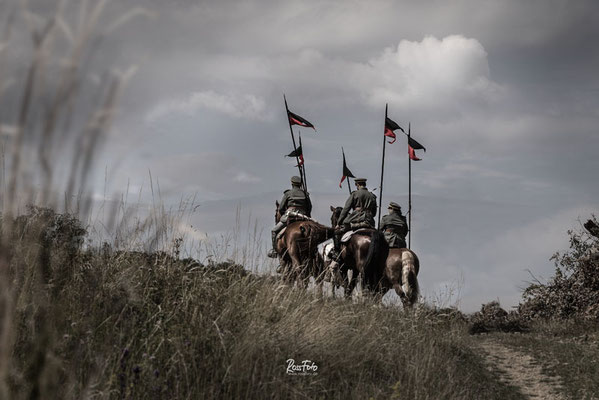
point(364, 205)
point(297, 200)
point(395, 229)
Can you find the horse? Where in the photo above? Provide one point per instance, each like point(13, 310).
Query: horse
point(297, 249)
point(365, 254)
point(401, 271)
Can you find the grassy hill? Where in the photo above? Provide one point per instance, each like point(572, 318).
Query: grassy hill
point(104, 323)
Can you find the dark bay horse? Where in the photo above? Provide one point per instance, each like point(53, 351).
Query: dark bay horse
point(365, 254)
point(297, 248)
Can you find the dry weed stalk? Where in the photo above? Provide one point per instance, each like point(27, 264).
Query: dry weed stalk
point(41, 124)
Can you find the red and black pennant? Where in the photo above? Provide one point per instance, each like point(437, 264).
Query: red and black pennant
point(346, 172)
point(391, 126)
point(299, 154)
point(295, 119)
point(412, 146)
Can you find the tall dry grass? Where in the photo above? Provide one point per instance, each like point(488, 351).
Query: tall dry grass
point(105, 323)
point(52, 121)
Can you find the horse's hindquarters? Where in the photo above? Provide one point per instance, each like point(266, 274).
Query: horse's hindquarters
point(409, 273)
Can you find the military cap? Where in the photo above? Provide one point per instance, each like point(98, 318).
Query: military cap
point(395, 206)
point(361, 181)
point(296, 180)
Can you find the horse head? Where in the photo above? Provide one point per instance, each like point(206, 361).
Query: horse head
point(277, 213)
point(335, 216)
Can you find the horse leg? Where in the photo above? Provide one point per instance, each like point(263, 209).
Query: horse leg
point(408, 277)
point(296, 268)
point(399, 291)
point(351, 282)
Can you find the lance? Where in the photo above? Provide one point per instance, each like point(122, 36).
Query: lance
point(409, 191)
point(303, 166)
point(299, 167)
point(382, 172)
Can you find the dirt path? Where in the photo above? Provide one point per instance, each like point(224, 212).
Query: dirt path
point(521, 370)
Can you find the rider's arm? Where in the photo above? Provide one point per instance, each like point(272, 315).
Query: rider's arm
point(345, 211)
point(283, 204)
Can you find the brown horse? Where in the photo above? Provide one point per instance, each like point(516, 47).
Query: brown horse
point(401, 271)
point(297, 249)
point(364, 254)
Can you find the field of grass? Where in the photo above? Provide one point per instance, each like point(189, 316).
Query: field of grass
point(100, 323)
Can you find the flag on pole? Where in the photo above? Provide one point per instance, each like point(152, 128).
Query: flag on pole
point(346, 172)
point(295, 119)
point(412, 146)
point(299, 154)
point(391, 126)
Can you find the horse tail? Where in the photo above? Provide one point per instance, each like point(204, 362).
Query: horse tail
point(408, 277)
point(371, 269)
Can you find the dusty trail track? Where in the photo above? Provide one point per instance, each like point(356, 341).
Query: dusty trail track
point(521, 370)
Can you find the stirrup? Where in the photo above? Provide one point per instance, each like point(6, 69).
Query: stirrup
point(272, 253)
point(334, 254)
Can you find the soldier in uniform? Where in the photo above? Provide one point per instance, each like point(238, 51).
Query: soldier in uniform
point(593, 229)
point(363, 204)
point(294, 201)
point(395, 226)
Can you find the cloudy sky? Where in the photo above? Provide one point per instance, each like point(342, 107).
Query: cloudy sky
point(504, 96)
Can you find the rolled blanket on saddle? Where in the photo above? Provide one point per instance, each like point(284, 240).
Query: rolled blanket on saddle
point(293, 215)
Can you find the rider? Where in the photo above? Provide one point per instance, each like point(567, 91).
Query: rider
point(363, 203)
point(394, 226)
point(294, 201)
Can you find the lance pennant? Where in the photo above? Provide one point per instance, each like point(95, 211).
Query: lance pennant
point(346, 172)
point(295, 119)
point(299, 154)
point(391, 126)
point(412, 146)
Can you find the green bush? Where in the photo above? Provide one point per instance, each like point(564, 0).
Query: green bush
point(574, 289)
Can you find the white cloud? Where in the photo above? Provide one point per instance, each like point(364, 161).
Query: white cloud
point(245, 106)
point(432, 72)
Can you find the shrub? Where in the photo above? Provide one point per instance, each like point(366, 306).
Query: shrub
point(574, 289)
point(493, 318)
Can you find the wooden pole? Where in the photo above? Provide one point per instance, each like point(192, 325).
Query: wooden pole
point(299, 167)
point(303, 166)
point(409, 190)
point(382, 170)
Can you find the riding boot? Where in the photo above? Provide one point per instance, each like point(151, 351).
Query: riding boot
point(336, 251)
point(272, 253)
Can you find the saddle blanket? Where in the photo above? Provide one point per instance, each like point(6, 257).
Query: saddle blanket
point(325, 248)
